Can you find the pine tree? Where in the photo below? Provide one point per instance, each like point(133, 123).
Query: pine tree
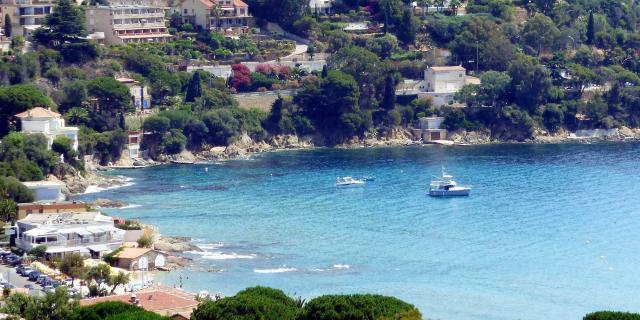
point(194, 89)
point(389, 98)
point(407, 28)
point(590, 29)
point(7, 25)
point(64, 24)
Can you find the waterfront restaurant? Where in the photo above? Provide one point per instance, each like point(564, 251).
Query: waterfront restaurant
point(88, 233)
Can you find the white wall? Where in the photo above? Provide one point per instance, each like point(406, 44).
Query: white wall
point(48, 193)
point(444, 81)
point(36, 126)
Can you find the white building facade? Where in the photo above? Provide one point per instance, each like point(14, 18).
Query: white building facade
point(230, 17)
point(48, 123)
point(439, 83)
point(129, 21)
point(25, 15)
point(87, 233)
point(321, 6)
point(46, 191)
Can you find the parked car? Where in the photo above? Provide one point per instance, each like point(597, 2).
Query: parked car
point(42, 279)
point(13, 262)
point(25, 271)
point(56, 283)
point(10, 256)
point(8, 286)
point(33, 276)
point(29, 286)
point(20, 268)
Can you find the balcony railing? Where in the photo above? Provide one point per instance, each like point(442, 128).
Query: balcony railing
point(138, 25)
point(139, 15)
point(71, 243)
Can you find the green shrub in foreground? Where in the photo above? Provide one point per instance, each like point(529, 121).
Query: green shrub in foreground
point(257, 303)
point(359, 306)
point(612, 315)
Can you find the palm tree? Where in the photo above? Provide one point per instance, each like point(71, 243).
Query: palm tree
point(77, 116)
point(119, 279)
point(7, 210)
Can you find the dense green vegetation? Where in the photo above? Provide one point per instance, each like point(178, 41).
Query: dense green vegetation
point(271, 304)
point(543, 65)
point(611, 315)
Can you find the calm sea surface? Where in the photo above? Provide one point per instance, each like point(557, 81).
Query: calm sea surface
point(549, 232)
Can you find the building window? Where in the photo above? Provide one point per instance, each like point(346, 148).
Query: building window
point(186, 11)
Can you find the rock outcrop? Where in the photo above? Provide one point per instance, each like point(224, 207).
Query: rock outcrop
point(107, 203)
point(175, 244)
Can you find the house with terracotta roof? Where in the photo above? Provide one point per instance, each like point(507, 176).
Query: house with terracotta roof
point(230, 17)
point(161, 300)
point(140, 259)
point(49, 123)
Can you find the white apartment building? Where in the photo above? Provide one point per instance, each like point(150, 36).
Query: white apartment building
point(49, 123)
point(129, 21)
point(230, 17)
point(26, 15)
point(88, 233)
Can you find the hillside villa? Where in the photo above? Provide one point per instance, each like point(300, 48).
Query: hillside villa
point(230, 17)
point(49, 123)
point(140, 96)
point(439, 83)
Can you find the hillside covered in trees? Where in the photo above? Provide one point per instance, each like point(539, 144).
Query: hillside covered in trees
point(545, 65)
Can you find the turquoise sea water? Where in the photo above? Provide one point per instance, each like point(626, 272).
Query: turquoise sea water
point(549, 232)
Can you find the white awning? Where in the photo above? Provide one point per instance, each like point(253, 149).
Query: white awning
point(39, 232)
point(67, 249)
point(99, 248)
point(83, 232)
point(99, 229)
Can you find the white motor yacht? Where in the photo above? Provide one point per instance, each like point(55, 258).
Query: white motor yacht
point(349, 181)
point(445, 186)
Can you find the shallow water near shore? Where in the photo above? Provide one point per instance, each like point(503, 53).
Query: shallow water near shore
point(549, 231)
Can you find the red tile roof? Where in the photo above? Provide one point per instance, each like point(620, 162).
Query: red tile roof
point(155, 300)
point(207, 3)
point(38, 112)
point(239, 3)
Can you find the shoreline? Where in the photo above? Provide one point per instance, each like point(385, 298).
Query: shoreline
point(97, 181)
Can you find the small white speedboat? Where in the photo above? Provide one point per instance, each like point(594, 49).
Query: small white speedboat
point(349, 181)
point(445, 186)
